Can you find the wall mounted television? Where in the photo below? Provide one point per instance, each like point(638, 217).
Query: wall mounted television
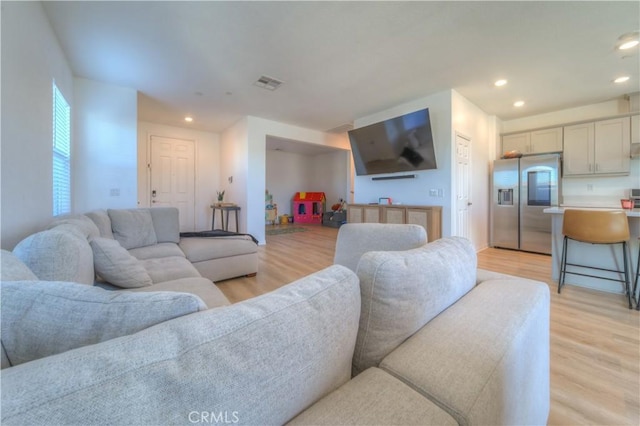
point(400, 144)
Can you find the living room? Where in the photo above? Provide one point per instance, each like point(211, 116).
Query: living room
point(113, 122)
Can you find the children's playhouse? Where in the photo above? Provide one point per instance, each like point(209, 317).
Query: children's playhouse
point(308, 207)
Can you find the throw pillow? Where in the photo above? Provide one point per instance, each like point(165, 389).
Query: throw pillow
point(133, 228)
point(40, 319)
point(403, 290)
point(114, 263)
point(12, 268)
point(60, 254)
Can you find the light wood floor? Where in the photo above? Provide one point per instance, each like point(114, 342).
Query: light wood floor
point(595, 339)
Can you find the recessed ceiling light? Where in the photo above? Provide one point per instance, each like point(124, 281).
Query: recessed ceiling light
point(500, 82)
point(268, 83)
point(188, 119)
point(518, 104)
point(621, 79)
point(628, 41)
point(629, 44)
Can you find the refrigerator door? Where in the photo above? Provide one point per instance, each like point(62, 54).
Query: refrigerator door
point(504, 204)
point(539, 189)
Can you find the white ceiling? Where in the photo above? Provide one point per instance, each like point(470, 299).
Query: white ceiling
point(344, 60)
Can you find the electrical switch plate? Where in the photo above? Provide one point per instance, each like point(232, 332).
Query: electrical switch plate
point(433, 192)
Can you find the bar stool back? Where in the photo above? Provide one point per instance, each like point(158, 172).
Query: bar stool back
point(596, 227)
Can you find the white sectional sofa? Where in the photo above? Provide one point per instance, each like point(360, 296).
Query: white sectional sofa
point(137, 250)
point(415, 334)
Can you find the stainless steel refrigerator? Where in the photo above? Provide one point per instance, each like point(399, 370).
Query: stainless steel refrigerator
point(522, 189)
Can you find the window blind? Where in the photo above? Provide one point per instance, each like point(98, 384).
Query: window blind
point(61, 154)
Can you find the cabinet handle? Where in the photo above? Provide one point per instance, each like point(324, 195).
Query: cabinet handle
point(597, 167)
point(589, 166)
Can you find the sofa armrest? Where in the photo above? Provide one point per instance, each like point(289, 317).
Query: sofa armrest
point(485, 360)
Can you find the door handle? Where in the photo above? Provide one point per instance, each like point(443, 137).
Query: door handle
point(153, 193)
point(469, 203)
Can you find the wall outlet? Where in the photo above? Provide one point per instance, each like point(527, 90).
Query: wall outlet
point(589, 187)
point(440, 192)
point(114, 192)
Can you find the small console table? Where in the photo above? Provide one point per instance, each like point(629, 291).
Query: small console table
point(224, 211)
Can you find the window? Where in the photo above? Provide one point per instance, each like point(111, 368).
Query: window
point(61, 154)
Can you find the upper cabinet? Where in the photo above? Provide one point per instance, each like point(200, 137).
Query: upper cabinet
point(534, 142)
point(635, 136)
point(600, 148)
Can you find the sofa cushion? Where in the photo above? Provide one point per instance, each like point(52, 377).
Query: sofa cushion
point(201, 287)
point(114, 264)
point(133, 227)
point(169, 268)
point(263, 360)
point(157, 251)
point(102, 221)
point(489, 354)
point(200, 249)
point(374, 398)
point(403, 290)
point(12, 268)
point(83, 224)
point(40, 319)
point(58, 255)
point(166, 223)
point(355, 239)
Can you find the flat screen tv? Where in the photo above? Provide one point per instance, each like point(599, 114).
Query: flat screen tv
point(400, 144)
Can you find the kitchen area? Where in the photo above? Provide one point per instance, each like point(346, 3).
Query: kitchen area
point(543, 170)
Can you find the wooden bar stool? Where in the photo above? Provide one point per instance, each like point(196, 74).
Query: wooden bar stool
point(596, 227)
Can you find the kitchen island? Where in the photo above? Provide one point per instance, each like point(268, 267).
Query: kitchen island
point(601, 256)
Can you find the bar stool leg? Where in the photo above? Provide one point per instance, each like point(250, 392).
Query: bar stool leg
point(627, 275)
point(563, 264)
point(635, 284)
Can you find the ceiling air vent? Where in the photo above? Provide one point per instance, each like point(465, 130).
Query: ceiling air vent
point(268, 83)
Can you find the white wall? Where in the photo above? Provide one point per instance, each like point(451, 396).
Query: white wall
point(234, 164)
point(207, 167)
point(104, 163)
point(288, 173)
point(31, 60)
point(416, 191)
point(577, 191)
point(472, 122)
point(331, 172)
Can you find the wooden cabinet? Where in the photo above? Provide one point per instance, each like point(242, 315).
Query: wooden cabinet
point(599, 148)
point(363, 213)
point(534, 142)
point(429, 217)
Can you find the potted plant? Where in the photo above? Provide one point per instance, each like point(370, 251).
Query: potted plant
point(220, 196)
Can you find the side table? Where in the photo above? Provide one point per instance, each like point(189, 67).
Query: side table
point(224, 211)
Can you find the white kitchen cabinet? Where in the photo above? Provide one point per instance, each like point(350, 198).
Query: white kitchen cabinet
point(600, 148)
point(546, 140)
point(534, 142)
point(520, 142)
point(635, 129)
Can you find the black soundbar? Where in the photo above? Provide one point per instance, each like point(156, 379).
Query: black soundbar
point(394, 177)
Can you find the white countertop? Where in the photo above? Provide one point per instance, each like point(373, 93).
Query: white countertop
point(561, 209)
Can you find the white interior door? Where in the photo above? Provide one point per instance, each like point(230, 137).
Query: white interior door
point(463, 168)
point(173, 177)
